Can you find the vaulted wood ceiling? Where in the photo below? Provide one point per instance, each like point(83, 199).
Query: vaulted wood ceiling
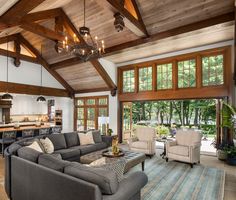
point(162, 26)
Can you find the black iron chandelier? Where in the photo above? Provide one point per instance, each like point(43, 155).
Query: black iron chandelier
point(85, 50)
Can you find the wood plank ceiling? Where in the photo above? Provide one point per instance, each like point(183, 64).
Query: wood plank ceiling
point(155, 17)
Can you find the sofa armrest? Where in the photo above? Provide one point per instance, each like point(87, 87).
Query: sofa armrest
point(129, 186)
point(195, 145)
point(131, 140)
point(107, 139)
point(171, 143)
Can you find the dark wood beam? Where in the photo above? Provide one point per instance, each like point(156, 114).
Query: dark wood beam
point(92, 90)
point(11, 54)
point(42, 31)
point(138, 23)
point(30, 47)
point(102, 72)
point(31, 89)
point(14, 15)
point(173, 32)
point(17, 50)
point(8, 38)
point(66, 63)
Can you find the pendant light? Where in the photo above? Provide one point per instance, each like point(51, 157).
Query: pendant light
point(7, 96)
point(41, 98)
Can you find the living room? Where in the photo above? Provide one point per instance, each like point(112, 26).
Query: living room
point(117, 99)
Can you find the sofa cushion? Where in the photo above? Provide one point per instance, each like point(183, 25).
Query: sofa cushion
point(29, 154)
point(12, 150)
point(47, 145)
point(67, 154)
point(97, 136)
point(140, 144)
point(105, 179)
point(188, 138)
point(58, 141)
point(85, 149)
point(36, 146)
point(101, 145)
point(179, 150)
point(53, 162)
point(86, 139)
point(72, 139)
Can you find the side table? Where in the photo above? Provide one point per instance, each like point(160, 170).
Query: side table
point(164, 140)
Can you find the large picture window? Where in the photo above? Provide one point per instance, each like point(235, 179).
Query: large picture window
point(88, 110)
point(164, 76)
point(187, 73)
point(128, 81)
point(212, 70)
point(145, 79)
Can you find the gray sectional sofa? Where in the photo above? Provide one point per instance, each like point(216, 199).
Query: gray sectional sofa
point(31, 175)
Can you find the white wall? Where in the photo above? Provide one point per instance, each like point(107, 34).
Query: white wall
point(26, 73)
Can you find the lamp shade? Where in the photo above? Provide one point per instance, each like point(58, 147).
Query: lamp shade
point(7, 97)
point(41, 99)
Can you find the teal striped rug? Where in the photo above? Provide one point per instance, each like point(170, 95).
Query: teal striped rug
point(178, 181)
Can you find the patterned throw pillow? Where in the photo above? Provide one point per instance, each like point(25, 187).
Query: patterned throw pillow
point(86, 139)
point(47, 145)
point(117, 166)
point(35, 145)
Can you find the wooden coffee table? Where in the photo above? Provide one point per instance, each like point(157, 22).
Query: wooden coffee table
point(132, 158)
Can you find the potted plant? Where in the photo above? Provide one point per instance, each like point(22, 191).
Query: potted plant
point(220, 150)
point(109, 132)
point(162, 131)
point(231, 155)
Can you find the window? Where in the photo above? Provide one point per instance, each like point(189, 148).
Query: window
point(145, 79)
point(128, 81)
point(164, 76)
point(212, 70)
point(88, 111)
point(187, 73)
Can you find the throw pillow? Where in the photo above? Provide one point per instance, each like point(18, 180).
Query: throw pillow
point(97, 136)
point(47, 145)
point(86, 139)
point(35, 145)
point(118, 167)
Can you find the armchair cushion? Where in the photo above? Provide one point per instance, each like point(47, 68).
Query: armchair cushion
point(140, 145)
point(145, 133)
point(188, 138)
point(179, 150)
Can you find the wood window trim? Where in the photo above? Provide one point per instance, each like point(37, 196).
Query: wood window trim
point(179, 93)
point(96, 106)
point(133, 68)
point(156, 65)
point(142, 67)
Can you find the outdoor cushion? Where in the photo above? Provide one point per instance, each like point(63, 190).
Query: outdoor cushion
point(53, 162)
point(140, 145)
point(105, 179)
point(68, 154)
point(47, 145)
point(101, 145)
point(58, 141)
point(97, 136)
point(72, 139)
point(85, 149)
point(188, 138)
point(179, 150)
point(29, 154)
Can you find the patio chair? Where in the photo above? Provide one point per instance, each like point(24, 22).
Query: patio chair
point(8, 138)
point(185, 148)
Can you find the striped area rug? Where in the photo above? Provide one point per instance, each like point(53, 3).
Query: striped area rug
point(178, 181)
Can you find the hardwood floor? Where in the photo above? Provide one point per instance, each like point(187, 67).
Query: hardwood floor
point(230, 178)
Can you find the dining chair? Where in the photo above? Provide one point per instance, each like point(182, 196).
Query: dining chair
point(8, 137)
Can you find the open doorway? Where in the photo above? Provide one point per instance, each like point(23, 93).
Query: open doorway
point(196, 114)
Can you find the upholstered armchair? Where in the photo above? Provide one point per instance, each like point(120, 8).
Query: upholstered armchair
point(185, 148)
point(144, 141)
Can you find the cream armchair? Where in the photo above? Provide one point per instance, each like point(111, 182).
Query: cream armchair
point(144, 142)
point(185, 148)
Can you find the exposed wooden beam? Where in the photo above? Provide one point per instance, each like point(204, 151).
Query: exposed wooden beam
point(14, 15)
point(132, 22)
point(31, 89)
point(11, 54)
point(8, 38)
point(66, 63)
point(92, 90)
point(17, 50)
point(30, 47)
point(42, 15)
point(42, 31)
point(173, 32)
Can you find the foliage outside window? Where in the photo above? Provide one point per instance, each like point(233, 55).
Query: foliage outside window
point(212, 70)
point(187, 73)
point(128, 81)
point(145, 79)
point(164, 76)
point(88, 112)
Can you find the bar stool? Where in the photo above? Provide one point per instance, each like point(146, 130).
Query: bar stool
point(28, 133)
point(44, 131)
point(56, 129)
point(8, 138)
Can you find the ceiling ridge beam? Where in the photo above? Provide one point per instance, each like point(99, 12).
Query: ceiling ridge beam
point(173, 32)
point(8, 38)
point(92, 90)
point(44, 63)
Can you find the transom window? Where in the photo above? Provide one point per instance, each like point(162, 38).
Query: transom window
point(145, 78)
point(164, 76)
point(187, 73)
point(128, 81)
point(212, 70)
